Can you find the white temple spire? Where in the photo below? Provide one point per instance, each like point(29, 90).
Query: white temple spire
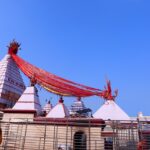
point(110, 111)
point(59, 111)
point(47, 108)
point(11, 83)
point(29, 100)
point(78, 106)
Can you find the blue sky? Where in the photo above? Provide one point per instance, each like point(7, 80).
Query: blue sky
point(85, 41)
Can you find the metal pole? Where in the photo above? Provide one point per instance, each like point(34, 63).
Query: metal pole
point(24, 139)
point(6, 134)
point(44, 136)
point(89, 134)
point(67, 135)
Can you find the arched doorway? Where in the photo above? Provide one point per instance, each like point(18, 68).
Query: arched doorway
point(80, 141)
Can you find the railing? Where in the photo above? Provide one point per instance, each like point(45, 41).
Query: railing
point(24, 134)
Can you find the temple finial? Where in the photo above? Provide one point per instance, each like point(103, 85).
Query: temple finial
point(13, 47)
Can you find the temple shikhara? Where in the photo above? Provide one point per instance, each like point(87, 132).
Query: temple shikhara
point(27, 125)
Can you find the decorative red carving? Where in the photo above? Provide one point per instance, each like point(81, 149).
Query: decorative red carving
point(107, 92)
point(13, 47)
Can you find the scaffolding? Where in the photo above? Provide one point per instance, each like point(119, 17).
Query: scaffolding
point(77, 134)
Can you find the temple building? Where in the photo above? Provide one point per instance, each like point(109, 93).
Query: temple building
point(78, 109)
point(111, 111)
point(11, 83)
point(59, 111)
point(29, 100)
point(25, 125)
point(47, 108)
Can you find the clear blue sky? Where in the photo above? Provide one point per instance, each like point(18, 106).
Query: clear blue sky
point(85, 41)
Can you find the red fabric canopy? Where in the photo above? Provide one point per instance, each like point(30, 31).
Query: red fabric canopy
point(54, 83)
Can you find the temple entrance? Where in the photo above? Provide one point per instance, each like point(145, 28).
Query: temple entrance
point(80, 141)
point(108, 144)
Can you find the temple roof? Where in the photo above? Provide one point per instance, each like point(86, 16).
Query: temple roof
point(58, 111)
point(110, 110)
point(76, 107)
point(11, 83)
point(48, 106)
point(29, 100)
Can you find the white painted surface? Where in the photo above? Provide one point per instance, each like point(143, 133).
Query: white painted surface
point(59, 111)
point(48, 106)
point(10, 80)
point(110, 110)
point(29, 100)
point(78, 105)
